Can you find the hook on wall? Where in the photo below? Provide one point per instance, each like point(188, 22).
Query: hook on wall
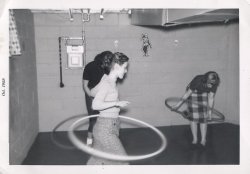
point(101, 14)
point(146, 44)
point(71, 18)
point(85, 16)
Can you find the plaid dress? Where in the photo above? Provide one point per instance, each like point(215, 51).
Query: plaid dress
point(197, 107)
point(198, 100)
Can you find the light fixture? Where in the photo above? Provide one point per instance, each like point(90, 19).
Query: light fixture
point(71, 15)
point(226, 21)
point(101, 15)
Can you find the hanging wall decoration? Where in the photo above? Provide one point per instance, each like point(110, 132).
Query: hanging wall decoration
point(75, 46)
point(146, 44)
point(75, 53)
point(116, 45)
point(14, 41)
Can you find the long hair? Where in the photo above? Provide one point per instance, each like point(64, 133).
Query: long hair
point(99, 57)
point(215, 78)
point(107, 61)
point(214, 75)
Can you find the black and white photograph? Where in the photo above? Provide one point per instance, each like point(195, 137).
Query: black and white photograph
point(100, 87)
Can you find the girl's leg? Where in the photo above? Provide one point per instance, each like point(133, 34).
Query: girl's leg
point(203, 128)
point(193, 126)
point(92, 121)
point(106, 139)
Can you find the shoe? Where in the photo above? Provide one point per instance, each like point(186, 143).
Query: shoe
point(193, 146)
point(203, 147)
point(89, 141)
point(203, 143)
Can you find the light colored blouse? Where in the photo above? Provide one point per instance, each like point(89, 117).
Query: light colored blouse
point(106, 91)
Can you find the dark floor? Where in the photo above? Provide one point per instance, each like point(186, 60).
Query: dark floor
point(222, 147)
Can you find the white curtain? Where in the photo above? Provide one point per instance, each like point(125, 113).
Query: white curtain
point(14, 42)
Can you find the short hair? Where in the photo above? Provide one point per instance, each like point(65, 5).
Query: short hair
point(120, 58)
point(109, 59)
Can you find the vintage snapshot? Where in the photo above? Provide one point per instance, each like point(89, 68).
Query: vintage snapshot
point(107, 87)
point(177, 70)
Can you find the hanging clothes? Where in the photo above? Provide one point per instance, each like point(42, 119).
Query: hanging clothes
point(14, 42)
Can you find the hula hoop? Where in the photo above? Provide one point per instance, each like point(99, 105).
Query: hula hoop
point(220, 117)
point(83, 147)
point(55, 140)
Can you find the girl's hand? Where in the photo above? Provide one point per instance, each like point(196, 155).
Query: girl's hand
point(122, 103)
point(209, 116)
point(175, 107)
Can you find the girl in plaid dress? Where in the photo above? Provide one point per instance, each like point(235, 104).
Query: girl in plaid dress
point(106, 129)
point(200, 92)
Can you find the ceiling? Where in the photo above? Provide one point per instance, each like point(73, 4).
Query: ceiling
point(161, 17)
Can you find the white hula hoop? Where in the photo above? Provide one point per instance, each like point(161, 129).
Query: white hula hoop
point(98, 153)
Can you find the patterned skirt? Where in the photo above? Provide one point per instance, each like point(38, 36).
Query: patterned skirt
point(198, 112)
point(106, 139)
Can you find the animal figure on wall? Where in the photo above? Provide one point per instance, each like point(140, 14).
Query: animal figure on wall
point(146, 44)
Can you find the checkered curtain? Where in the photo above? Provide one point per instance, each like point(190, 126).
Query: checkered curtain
point(14, 42)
